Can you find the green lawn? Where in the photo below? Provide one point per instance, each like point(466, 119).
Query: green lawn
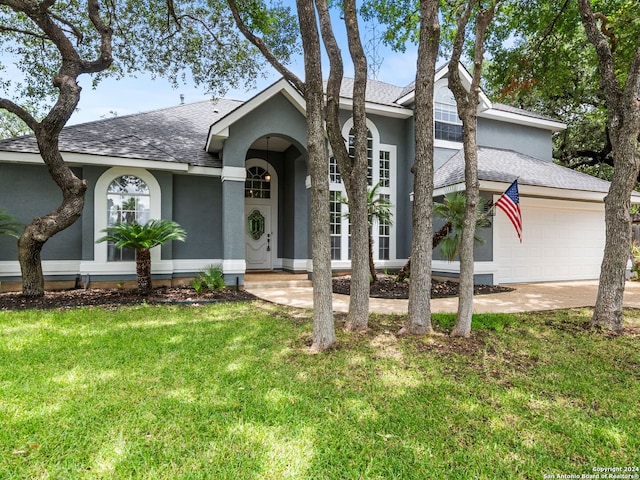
point(230, 391)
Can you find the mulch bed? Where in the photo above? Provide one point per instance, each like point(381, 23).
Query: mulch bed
point(119, 296)
point(387, 287)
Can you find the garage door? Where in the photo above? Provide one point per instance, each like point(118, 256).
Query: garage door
point(560, 241)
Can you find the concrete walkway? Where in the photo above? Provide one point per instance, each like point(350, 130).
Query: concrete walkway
point(525, 297)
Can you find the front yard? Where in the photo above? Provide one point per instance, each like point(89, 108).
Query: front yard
point(230, 391)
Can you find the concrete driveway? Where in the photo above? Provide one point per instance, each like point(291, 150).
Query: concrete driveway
point(525, 297)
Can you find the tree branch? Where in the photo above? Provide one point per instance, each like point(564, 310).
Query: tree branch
point(257, 42)
point(632, 87)
point(552, 26)
point(72, 28)
point(106, 33)
point(29, 33)
point(23, 114)
point(334, 82)
point(608, 80)
point(178, 20)
point(455, 83)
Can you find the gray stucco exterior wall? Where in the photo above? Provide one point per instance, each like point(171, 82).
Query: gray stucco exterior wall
point(197, 208)
point(91, 174)
point(404, 207)
point(233, 220)
point(293, 205)
point(535, 142)
point(27, 192)
point(276, 116)
point(165, 179)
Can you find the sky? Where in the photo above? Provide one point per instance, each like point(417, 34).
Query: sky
point(143, 93)
point(134, 95)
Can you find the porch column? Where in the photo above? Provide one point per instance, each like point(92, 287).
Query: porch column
point(233, 262)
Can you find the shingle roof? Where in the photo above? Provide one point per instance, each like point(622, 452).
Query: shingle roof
point(506, 165)
point(175, 134)
point(377, 92)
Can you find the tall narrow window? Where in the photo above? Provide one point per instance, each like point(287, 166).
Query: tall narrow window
point(384, 234)
point(448, 124)
point(369, 153)
point(334, 172)
point(128, 200)
point(335, 216)
point(385, 169)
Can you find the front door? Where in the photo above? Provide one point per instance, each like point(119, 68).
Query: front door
point(258, 237)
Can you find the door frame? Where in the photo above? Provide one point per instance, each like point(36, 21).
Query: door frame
point(271, 202)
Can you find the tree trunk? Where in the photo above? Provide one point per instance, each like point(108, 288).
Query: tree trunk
point(405, 271)
point(462, 327)
point(43, 228)
point(623, 124)
point(608, 308)
point(143, 270)
point(353, 169)
point(372, 265)
point(467, 104)
point(358, 316)
point(48, 130)
point(419, 309)
point(324, 336)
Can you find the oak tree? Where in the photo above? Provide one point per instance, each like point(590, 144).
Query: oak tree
point(52, 43)
point(311, 88)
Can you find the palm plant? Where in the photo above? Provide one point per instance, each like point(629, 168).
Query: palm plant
point(142, 238)
point(378, 208)
point(452, 211)
point(9, 225)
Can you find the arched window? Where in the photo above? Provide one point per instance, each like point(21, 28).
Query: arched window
point(128, 200)
point(448, 124)
point(258, 183)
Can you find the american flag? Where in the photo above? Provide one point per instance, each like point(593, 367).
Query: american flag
point(509, 203)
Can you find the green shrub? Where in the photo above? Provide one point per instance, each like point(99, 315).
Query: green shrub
point(211, 278)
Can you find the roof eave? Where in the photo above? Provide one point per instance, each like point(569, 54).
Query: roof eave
point(379, 109)
point(82, 159)
point(534, 191)
point(520, 119)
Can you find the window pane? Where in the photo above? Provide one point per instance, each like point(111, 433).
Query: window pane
point(385, 169)
point(384, 234)
point(256, 184)
point(334, 172)
point(448, 124)
point(335, 218)
point(351, 143)
point(128, 200)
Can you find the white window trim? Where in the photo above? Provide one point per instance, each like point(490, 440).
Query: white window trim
point(100, 217)
point(391, 190)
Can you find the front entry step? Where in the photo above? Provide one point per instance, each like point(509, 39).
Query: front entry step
point(276, 280)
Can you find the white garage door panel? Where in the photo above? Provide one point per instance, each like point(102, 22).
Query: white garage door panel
point(560, 241)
